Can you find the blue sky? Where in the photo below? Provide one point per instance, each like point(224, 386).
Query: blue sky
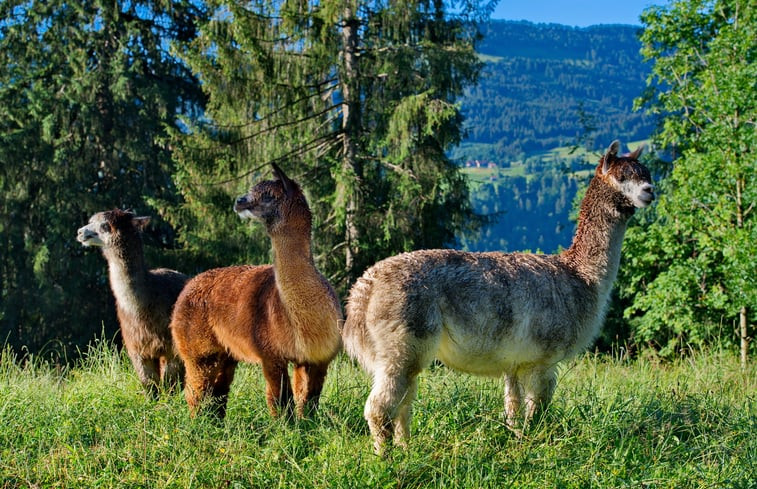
point(574, 12)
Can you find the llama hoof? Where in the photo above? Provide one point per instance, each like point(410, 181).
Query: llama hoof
point(381, 449)
point(515, 431)
point(401, 444)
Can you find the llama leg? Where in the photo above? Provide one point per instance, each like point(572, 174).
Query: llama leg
point(195, 385)
point(540, 385)
point(389, 390)
point(209, 378)
point(278, 391)
point(221, 384)
point(405, 414)
point(403, 356)
point(512, 401)
point(308, 383)
point(172, 372)
point(148, 372)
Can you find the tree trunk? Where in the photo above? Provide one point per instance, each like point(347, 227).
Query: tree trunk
point(742, 311)
point(351, 168)
point(744, 337)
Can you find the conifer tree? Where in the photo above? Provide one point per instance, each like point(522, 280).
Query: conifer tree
point(87, 89)
point(356, 100)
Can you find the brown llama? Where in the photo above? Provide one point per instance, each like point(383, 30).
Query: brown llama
point(511, 314)
point(144, 298)
point(267, 314)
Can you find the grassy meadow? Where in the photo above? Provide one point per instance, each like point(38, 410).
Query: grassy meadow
point(613, 423)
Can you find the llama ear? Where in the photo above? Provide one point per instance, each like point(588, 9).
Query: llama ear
point(140, 222)
point(637, 152)
point(281, 176)
point(611, 154)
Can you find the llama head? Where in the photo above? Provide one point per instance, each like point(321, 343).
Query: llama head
point(106, 229)
point(626, 175)
point(274, 202)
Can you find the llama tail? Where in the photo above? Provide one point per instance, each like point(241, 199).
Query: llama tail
point(355, 335)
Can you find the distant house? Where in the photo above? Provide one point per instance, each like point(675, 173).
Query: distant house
point(480, 164)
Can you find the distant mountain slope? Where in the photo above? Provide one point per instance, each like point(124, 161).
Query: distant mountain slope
point(543, 84)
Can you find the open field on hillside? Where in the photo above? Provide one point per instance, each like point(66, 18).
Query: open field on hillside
point(613, 423)
point(517, 168)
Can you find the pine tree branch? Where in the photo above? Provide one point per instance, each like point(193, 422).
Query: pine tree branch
point(399, 169)
point(284, 124)
point(319, 93)
point(316, 143)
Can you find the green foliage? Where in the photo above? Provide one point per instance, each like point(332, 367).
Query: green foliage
point(693, 266)
point(367, 141)
point(101, 106)
point(613, 423)
point(266, 73)
point(86, 93)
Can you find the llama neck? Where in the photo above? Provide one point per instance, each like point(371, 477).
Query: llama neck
point(294, 268)
point(311, 306)
point(126, 271)
point(595, 252)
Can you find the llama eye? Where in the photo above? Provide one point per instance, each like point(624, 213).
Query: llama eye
point(105, 227)
point(267, 197)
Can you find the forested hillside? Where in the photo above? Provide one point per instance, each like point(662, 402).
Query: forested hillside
point(529, 202)
point(545, 86)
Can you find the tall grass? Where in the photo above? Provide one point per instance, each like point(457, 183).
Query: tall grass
point(613, 423)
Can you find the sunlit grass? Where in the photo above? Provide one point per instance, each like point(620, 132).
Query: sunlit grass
point(613, 423)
